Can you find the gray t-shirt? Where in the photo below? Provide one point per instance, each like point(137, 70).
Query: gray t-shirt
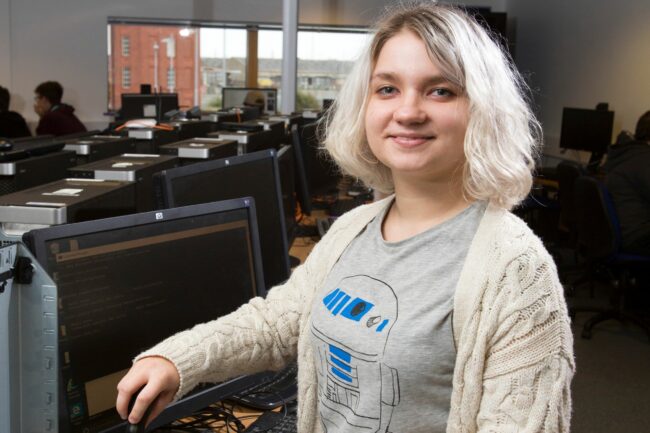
point(382, 331)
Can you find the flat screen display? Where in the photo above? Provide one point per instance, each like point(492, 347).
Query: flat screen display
point(125, 284)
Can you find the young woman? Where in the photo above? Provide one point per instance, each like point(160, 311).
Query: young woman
point(434, 309)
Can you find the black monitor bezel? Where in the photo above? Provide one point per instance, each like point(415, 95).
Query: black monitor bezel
point(165, 178)
point(36, 241)
point(322, 174)
point(303, 192)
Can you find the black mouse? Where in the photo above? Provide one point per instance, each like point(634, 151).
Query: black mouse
point(139, 427)
point(5, 146)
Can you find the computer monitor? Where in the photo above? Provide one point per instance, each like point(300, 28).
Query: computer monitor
point(322, 174)
point(126, 283)
point(586, 129)
point(286, 165)
point(265, 99)
point(153, 106)
point(303, 192)
point(256, 175)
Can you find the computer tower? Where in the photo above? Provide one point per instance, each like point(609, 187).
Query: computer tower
point(277, 128)
point(220, 116)
point(67, 200)
point(200, 149)
point(35, 170)
point(149, 139)
point(131, 167)
point(189, 128)
point(288, 119)
point(249, 141)
point(96, 147)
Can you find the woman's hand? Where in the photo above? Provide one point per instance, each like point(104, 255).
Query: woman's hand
point(159, 381)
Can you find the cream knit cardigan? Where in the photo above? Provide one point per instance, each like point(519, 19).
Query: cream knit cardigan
point(514, 359)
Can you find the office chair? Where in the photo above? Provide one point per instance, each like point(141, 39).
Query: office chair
point(599, 242)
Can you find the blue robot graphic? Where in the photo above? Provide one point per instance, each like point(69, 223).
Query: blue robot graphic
point(355, 386)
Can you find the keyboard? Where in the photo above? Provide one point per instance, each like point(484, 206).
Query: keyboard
point(274, 422)
point(273, 390)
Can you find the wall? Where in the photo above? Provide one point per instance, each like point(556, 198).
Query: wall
point(582, 52)
point(5, 46)
point(66, 40)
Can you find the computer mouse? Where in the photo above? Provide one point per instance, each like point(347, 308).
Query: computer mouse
point(5, 145)
point(139, 427)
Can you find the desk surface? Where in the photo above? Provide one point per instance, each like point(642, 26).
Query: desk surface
point(244, 414)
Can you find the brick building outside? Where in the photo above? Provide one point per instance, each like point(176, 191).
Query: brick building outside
point(162, 55)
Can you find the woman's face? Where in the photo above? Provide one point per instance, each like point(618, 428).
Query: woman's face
point(415, 119)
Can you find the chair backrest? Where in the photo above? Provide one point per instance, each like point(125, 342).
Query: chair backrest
point(567, 172)
point(597, 225)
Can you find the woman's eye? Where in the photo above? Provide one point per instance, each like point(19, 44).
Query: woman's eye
point(442, 92)
point(386, 91)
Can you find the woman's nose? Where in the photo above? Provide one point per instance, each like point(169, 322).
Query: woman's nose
point(410, 111)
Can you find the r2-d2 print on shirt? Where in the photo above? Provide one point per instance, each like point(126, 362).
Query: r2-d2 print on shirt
point(355, 386)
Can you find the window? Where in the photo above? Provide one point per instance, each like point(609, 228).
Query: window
point(126, 46)
point(223, 63)
point(325, 58)
point(198, 61)
point(193, 62)
point(126, 77)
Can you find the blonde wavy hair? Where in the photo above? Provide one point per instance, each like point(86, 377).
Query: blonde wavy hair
point(502, 138)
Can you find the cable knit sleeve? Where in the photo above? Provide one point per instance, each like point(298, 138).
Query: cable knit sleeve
point(260, 335)
point(529, 347)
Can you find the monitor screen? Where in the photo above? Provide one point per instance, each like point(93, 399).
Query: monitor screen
point(153, 106)
point(255, 175)
point(265, 99)
point(586, 129)
point(287, 185)
point(120, 280)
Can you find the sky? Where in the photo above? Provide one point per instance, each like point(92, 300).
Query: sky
point(311, 45)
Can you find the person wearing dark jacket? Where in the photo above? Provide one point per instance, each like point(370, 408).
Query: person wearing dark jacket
point(56, 118)
point(628, 180)
point(12, 124)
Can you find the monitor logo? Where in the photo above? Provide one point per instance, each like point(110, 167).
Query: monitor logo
point(159, 215)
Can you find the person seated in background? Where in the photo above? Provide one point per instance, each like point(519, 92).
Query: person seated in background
point(628, 180)
point(56, 118)
point(12, 124)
